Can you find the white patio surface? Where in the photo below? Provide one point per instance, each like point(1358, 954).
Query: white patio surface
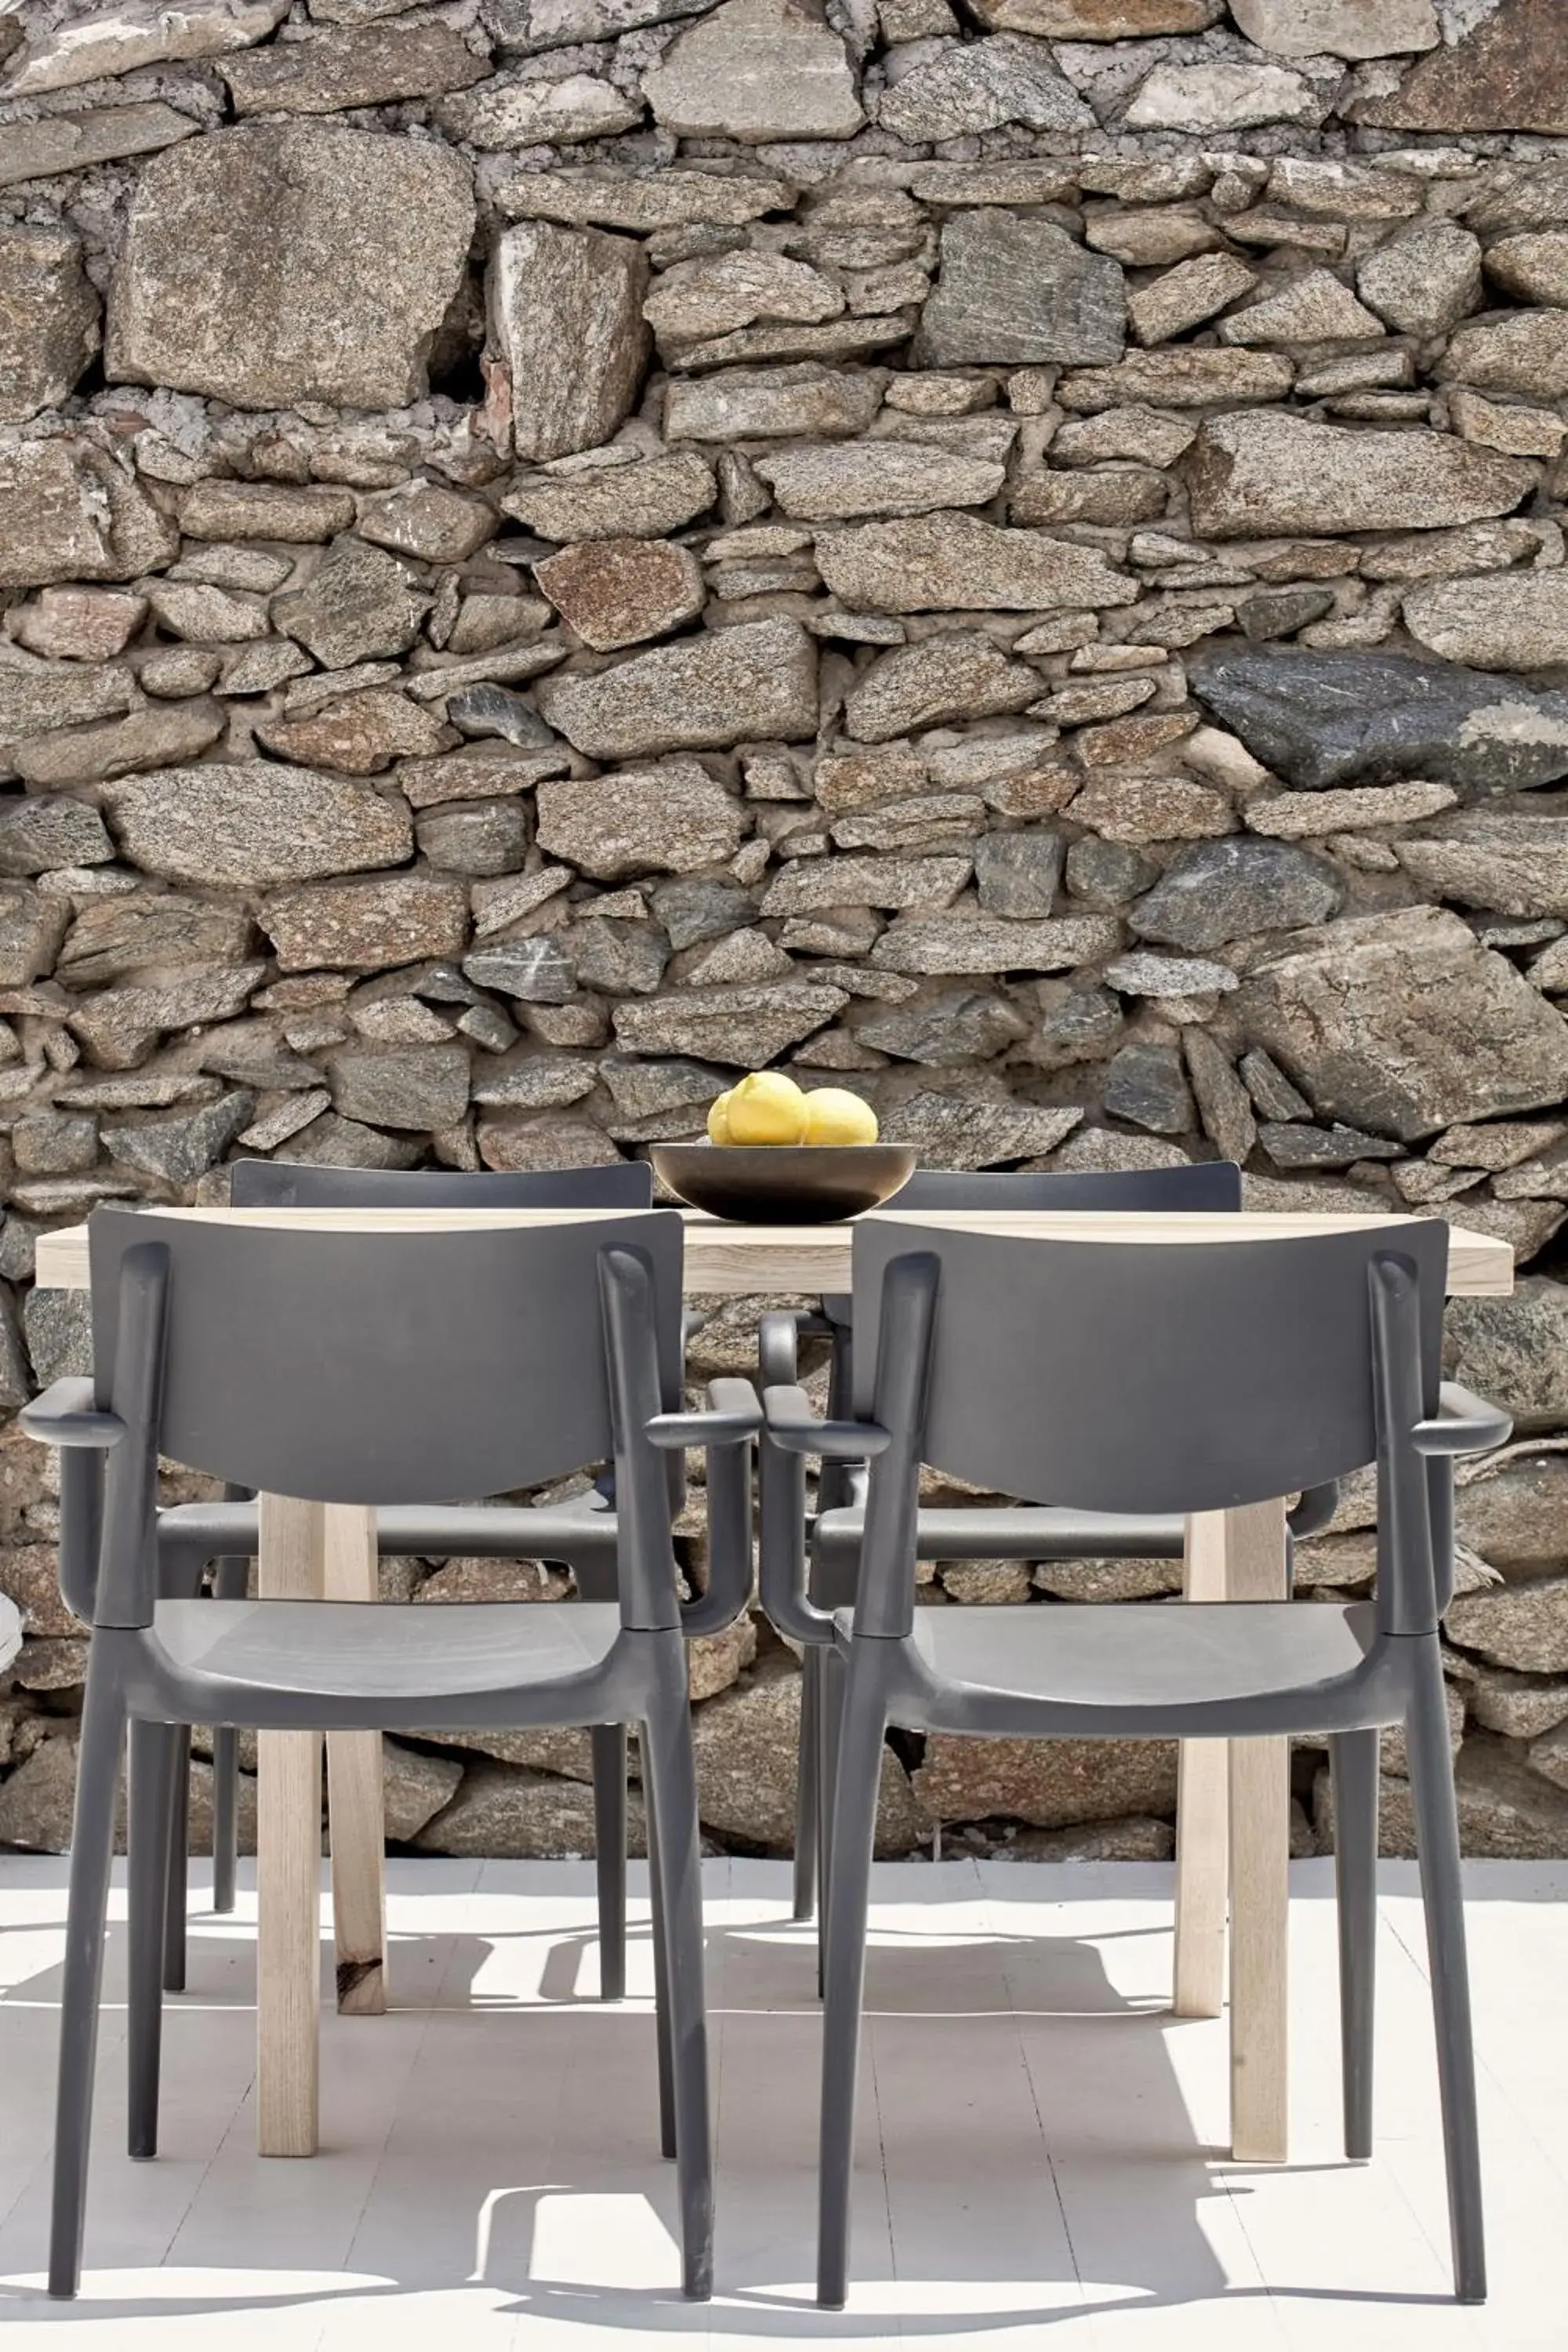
point(1041, 2146)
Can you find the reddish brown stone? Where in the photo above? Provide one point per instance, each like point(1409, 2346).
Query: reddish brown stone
point(1507, 75)
point(618, 591)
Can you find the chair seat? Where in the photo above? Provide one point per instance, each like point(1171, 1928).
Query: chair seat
point(1018, 1531)
point(1127, 1656)
point(391, 1651)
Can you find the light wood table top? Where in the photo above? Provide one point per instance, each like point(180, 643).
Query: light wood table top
point(739, 1259)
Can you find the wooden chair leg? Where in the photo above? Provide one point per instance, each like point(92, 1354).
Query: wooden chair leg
point(1259, 1875)
point(1203, 1813)
point(356, 1808)
point(288, 1867)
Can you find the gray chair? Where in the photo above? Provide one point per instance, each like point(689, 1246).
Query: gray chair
point(1194, 1377)
point(391, 1369)
point(979, 1532)
point(580, 1536)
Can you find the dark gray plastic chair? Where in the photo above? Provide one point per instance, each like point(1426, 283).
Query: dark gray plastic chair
point(979, 1532)
point(394, 1369)
point(580, 1535)
point(1192, 1377)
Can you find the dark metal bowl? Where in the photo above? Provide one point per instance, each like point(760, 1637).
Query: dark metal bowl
point(787, 1184)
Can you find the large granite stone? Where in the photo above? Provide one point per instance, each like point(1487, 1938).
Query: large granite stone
point(1224, 94)
point(1424, 280)
point(70, 142)
point(68, 512)
point(665, 197)
point(48, 319)
point(1506, 74)
point(1510, 861)
point(870, 477)
point(1501, 620)
point(1518, 351)
point(1341, 28)
point(752, 682)
point(360, 604)
point(755, 71)
point(1320, 720)
point(742, 1027)
point(963, 676)
point(712, 294)
point(1100, 20)
point(1188, 376)
point(746, 1741)
point(966, 940)
point(947, 561)
point(1532, 268)
point(417, 1086)
point(1220, 890)
point(247, 823)
point(666, 819)
point(565, 312)
point(1049, 1782)
point(637, 501)
point(503, 113)
point(1523, 1626)
point(1514, 1350)
point(1377, 1017)
point(244, 271)
point(37, 696)
point(1266, 471)
point(979, 86)
point(135, 35)
point(753, 402)
point(334, 71)
point(618, 591)
point(1015, 290)
point(367, 926)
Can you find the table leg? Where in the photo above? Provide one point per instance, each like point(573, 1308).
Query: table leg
point(288, 1865)
point(1259, 1883)
point(1202, 1813)
point(355, 1809)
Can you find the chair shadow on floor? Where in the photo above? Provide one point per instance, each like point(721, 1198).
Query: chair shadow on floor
point(518, 2157)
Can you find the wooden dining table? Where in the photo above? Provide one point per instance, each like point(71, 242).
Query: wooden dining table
point(1233, 1798)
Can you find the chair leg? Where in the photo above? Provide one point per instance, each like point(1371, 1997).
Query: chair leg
point(176, 1886)
point(226, 1817)
point(805, 1790)
point(848, 1896)
point(155, 1752)
point(830, 1689)
point(609, 1743)
point(667, 2120)
point(230, 1579)
point(92, 1859)
point(1354, 1762)
point(1442, 1892)
point(670, 1769)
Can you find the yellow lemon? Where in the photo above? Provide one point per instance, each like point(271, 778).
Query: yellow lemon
point(766, 1108)
point(719, 1120)
point(833, 1115)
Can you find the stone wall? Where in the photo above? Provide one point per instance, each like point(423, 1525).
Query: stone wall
point(554, 549)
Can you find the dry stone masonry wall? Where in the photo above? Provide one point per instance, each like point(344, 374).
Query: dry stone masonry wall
point(1010, 552)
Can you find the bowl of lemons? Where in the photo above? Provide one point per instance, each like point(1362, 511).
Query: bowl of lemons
point(778, 1155)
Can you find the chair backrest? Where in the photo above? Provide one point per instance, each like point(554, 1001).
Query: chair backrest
point(1200, 1185)
point(1147, 1375)
point(291, 1184)
point(395, 1366)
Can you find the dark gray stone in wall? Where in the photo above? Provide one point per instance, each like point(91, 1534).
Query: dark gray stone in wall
point(1319, 720)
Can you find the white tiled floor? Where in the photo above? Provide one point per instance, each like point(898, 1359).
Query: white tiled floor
point(1040, 2146)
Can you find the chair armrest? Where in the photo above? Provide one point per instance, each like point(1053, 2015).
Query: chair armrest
point(66, 1415)
point(792, 1425)
point(726, 1429)
point(1466, 1423)
point(779, 1335)
point(732, 1417)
